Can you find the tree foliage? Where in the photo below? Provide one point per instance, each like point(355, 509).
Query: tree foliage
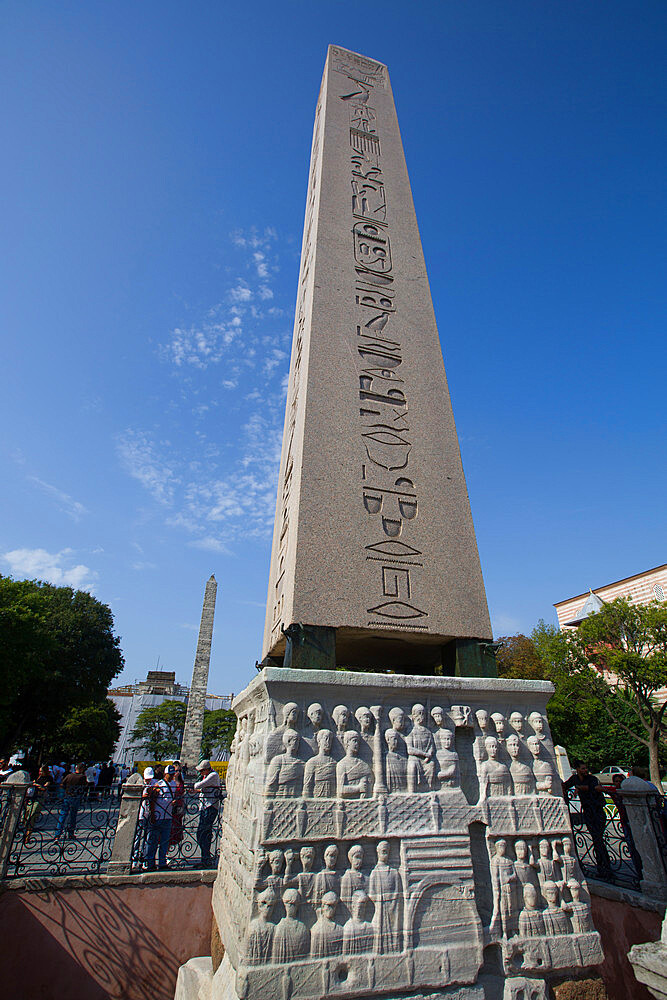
point(159, 729)
point(57, 652)
point(88, 732)
point(219, 726)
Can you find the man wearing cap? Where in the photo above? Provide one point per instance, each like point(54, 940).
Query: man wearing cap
point(209, 802)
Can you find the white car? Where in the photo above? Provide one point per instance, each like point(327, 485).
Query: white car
point(606, 775)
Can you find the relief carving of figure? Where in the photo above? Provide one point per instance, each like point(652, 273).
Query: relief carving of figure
point(326, 937)
point(357, 932)
point(556, 920)
point(568, 864)
point(494, 777)
point(536, 720)
point(548, 869)
point(364, 717)
point(259, 942)
point(316, 717)
point(291, 940)
point(341, 716)
point(274, 741)
point(385, 890)
point(354, 778)
point(531, 921)
point(580, 912)
point(306, 877)
point(505, 893)
point(448, 760)
point(274, 880)
point(328, 879)
point(500, 724)
point(353, 879)
point(542, 769)
point(479, 750)
point(396, 763)
point(526, 870)
point(319, 777)
point(284, 776)
point(516, 722)
point(421, 752)
point(522, 775)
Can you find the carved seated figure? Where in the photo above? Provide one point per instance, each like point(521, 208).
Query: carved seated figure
point(542, 769)
point(353, 879)
point(358, 932)
point(522, 775)
point(326, 937)
point(494, 777)
point(259, 941)
point(448, 760)
point(580, 912)
point(421, 752)
point(319, 777)
point(354, 778)
point(556, 920)
point(291, 940)
point(284, 776)
point(531, 921)
point(396, 762)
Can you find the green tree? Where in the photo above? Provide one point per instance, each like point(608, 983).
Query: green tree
point(219, 726)
point(88, 732)
point(158, 730)
point(57, 652)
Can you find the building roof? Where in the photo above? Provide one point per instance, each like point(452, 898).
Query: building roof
point(614, 583)
point(591, 607)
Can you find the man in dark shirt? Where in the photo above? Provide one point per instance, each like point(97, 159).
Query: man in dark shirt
point(591, 796)
point(74, 787)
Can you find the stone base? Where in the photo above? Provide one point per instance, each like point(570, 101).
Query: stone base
point(194, 980)
point(649, 963)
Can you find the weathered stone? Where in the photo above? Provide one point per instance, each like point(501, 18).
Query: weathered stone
point(373, 532)
point(194, 718)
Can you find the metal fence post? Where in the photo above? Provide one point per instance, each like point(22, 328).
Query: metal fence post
point(15, 788)
point(654, 880)
point(126, 827)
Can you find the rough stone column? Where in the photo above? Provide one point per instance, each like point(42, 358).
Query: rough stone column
point(194, 719)
point(126, 826)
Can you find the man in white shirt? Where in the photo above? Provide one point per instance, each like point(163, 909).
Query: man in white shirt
point(209, 803)
point(159, 797)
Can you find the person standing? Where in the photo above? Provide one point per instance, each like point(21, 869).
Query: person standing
point(74, 787)
point(591, 796)
point(209, 802)
point(178, 810)
point(160, 797)
point(36, 795)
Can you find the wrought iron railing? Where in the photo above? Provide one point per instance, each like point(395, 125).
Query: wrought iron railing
point(184, 849)
point(604, 844)
point(655, 807)
point(60, 836)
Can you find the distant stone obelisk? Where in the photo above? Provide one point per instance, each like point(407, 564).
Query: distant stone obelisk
point(194, 719)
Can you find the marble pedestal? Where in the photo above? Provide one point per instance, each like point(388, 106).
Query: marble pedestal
point(393, 834)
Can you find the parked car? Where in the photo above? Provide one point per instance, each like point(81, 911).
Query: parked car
point(606, 774)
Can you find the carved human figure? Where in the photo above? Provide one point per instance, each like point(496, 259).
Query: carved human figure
point(259, 941)
point(548, 869)
point(462, 715)
point(291, 940)
point(364, 717)
point(482, 717)
point(494, 777)
point(556, 920)
point(516, 722)
point(526, 870)
point(531, 921)
point(274, 880)
point(500, 724)
point(421, 752)
point(536, 720)
point(328, 879)
point(385, 891)
point(319, 775)
point(252, 776)
point(290, 858)
point(326, 937)
point(397, 719)
point(306, 877)
point(396, 762)
point(438, 716)
point(353, 879)
point(567, 862)
point(357, 932)
point(341, 716)
point(448, 760)
point(542, 769)
point(523, 778)
point(284, 776)
point(479, 750)
point(354, 777)
point(505, 897)
point(580, 912)
point(315, 715)
point(290, 721)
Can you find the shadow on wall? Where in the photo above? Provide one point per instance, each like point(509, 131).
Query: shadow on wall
point(102, 943)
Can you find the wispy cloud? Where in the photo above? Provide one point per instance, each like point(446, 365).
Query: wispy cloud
point(51, 567)
point(139, 456)
point(67, 504)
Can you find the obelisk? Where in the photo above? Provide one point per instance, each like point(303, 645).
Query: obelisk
point(194, 718)
point(373, 535)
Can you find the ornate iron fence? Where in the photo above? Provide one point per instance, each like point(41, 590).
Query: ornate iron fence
point(58, 836)
point(604, 844)
point(654, 804)
point(184, 849)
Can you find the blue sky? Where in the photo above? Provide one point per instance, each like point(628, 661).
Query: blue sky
point(154, 179)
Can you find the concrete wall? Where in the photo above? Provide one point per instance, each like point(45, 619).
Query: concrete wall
point(623, 918)
point(103, 938)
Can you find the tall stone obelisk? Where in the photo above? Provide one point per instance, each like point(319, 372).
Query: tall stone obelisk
point(194, 719)
point(373, 534)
